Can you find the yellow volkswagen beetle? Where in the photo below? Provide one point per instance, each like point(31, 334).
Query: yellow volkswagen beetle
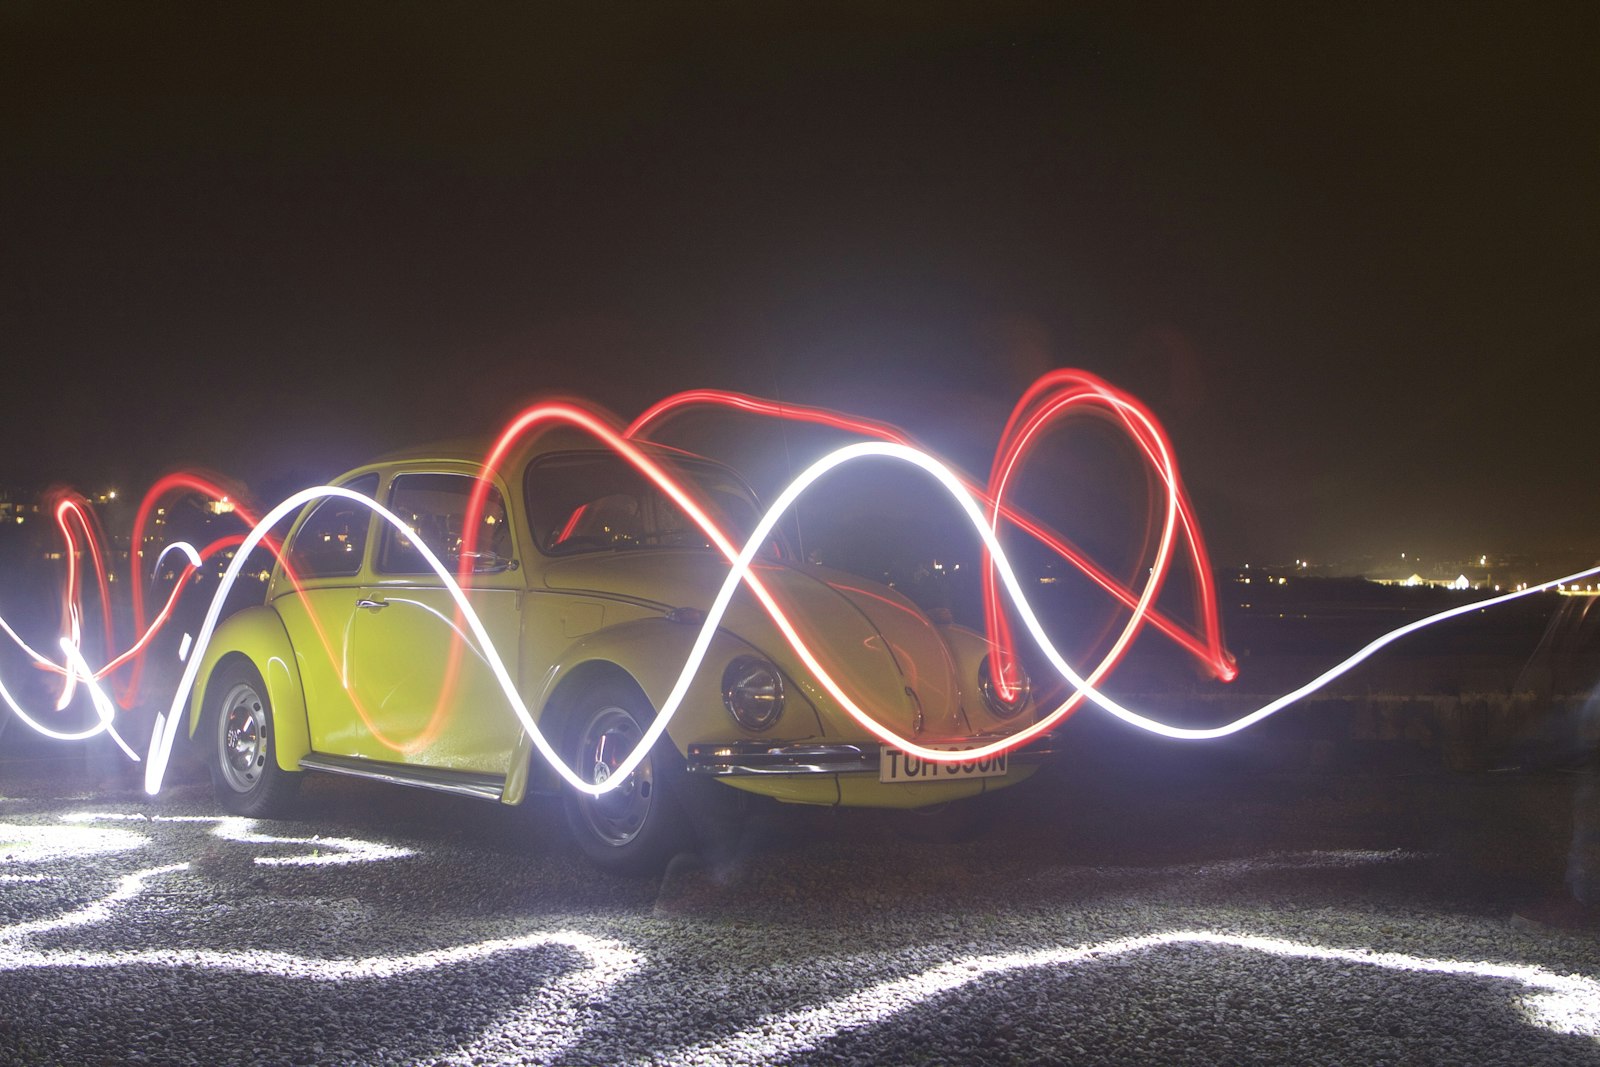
point(592, 586)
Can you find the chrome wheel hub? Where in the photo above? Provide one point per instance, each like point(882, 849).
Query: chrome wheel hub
point(617, 816)
point(242, 738)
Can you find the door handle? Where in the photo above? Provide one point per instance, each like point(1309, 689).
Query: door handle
point(375, 605)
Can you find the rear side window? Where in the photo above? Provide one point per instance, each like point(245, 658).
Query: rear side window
point(597, 501)
point(332, 539)
point(435, 507)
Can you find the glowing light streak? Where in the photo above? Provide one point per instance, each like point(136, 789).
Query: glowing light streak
point(1043, 403)
point(75, 520)
point(184, 549)
point(177, 483)
point(71, 512)
point(27, 649)
point(1016, 442)
point(136, 650)
point(235, 828)
point(97, 696)
point(24, 843)
point(1046, 399)
point(1564, 1003)
point(166, 724)
point(75, 669)
point(548, 1021)
point(553, 1015)
point(741, 572)
point(598, 952)
point(102, 725)
point(461, 635)
point(95, 912)
point(1208, 650)
point(45, 663)
point(1046, 402)
point(1036, 630)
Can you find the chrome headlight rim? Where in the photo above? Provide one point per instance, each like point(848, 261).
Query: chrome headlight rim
point(1021, 690)
point(752, 691)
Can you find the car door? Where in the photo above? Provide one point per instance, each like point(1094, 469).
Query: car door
point(427, 687)
point(315, 592)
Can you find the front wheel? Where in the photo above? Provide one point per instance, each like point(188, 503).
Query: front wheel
point(636, 827)
point(238, 735)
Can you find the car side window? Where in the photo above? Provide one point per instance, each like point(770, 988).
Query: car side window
point(596, 501)
point(332, 539)
point(435, 506)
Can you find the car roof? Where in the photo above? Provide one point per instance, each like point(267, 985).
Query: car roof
point(474, 449)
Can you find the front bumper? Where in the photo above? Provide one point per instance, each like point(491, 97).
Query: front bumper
point(744, 759)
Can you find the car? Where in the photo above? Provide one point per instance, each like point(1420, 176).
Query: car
point(593, 587)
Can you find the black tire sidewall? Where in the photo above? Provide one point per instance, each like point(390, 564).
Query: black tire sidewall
point(275, 788)
point(664, 831)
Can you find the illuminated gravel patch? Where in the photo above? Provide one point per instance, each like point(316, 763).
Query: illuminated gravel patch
point(45, 844)
point(462, 936)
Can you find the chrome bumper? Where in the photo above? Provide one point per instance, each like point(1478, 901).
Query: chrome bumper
point(746, 758)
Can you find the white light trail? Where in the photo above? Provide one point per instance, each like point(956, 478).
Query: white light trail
point(184, 548)
point(1567, 1004)
point(550, 1020)
point(236, 828)
point(25, 843)
point(551, 1016)
point(599, 952)
point(740, 572)
point(95, 912)
point(97, 696)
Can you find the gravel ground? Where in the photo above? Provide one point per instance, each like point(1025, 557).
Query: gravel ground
point(1130, 910)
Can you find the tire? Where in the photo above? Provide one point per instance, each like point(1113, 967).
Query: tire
point(639, 826)
point(238, 745)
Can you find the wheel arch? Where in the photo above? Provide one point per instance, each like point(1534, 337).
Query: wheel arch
point(256, 636)
point(654, 651)
point(530, 772)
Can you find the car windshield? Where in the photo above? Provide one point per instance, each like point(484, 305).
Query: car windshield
point(589, 501)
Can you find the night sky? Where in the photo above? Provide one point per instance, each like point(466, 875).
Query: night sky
point(1350, 252)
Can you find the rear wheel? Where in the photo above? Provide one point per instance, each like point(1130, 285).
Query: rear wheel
point(239, 740)
point(635, 827)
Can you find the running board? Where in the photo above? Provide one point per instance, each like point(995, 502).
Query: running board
point(461, 783)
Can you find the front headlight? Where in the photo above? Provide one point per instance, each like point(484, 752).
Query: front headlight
point(1014, 699)
point(752, 689)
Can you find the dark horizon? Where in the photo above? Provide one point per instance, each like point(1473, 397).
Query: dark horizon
point(1349, 260)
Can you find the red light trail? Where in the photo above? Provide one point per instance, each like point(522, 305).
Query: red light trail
point(1049, 402)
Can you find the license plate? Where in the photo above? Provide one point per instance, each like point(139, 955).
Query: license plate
point(897, 766)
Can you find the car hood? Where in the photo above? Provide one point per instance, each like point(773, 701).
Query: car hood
point(879, 646)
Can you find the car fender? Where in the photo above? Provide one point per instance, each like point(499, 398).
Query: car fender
point(257, 634)
point(652, 653)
